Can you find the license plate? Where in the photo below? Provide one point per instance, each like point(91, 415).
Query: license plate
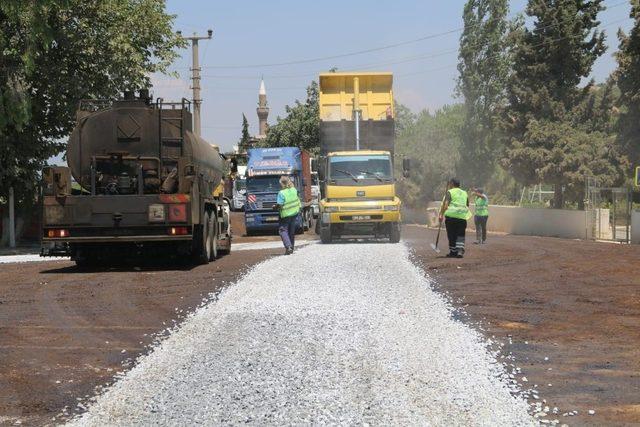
point(361, 217)
point(271, 219)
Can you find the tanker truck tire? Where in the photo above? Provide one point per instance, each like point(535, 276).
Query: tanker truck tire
point(201, 242)
point(394, 232)
point(213, 236)
point(325, 234)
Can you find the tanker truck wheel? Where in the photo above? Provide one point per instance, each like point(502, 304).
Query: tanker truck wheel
point(213, 237)
point(201, 249)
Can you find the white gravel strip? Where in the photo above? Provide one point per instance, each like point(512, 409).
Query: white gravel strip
point(334, 334)
point(5, 259)
point(258, 246)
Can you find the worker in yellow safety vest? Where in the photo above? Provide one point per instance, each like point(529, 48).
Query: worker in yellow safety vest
point(481, 215)
point(455, 213)
point(288, 203)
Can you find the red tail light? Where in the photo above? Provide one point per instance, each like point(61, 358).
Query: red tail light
point(57, 232)
point(178, 231)
point(178, 213)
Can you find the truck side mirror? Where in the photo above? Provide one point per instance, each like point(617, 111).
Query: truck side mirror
point(314, 165)
point(234, 165)
point(406, 167)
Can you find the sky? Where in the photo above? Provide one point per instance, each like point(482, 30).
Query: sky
point(250, 36)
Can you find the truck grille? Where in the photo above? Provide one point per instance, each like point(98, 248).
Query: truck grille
point(361, 208)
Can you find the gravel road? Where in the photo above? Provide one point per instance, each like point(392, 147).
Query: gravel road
point(357, 338)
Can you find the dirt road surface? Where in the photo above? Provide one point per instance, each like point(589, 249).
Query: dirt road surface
point(571, 309)
point(64, 331)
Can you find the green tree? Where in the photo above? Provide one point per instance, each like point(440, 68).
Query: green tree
point(483, 69)
point(432, 142)
point(300, 127)
point(244, 139)
point(545, 95)
point(628, 79)
point(57, 52)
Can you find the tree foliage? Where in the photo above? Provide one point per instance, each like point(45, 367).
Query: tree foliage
point(545, 95)
point(432, 142)
point(627, 77)
point(57, 52)
point(483, 69)
point(300, 127)
point(245, 137)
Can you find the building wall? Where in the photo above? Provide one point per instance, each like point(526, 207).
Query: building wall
point(635, 226)
point(569, 224)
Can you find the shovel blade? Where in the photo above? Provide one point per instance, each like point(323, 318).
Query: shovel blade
point(435, 248)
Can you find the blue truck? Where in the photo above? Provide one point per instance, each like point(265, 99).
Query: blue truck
point(265, 166)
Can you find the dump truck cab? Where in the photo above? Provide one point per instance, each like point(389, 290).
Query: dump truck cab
point(360, 194)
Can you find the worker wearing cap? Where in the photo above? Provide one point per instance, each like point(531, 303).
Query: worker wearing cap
point(288, 203)
point(455, 213)
point(481, 215)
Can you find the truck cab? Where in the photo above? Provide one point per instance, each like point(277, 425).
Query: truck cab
point(239, 189)
point(264, 168)
point(359, 195)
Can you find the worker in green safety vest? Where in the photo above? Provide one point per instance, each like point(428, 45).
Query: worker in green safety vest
point(455, 213)
point(288, 203)
point(481, 215)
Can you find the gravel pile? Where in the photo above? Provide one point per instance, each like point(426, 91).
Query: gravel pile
point(359, 337)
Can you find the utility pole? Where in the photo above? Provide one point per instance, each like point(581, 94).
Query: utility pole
point(356, 109)
point(195, 77)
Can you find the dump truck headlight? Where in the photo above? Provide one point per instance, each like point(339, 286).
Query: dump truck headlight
point(331, 209)
point(391, 207)
point(156, 213)
point(326, 218)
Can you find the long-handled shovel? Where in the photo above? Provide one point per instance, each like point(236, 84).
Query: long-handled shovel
point(435, 246)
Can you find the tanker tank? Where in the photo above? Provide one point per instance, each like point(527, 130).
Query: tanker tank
point(145, 139)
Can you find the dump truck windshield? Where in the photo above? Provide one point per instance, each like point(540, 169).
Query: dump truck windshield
point(346, 170)
point(263, 184)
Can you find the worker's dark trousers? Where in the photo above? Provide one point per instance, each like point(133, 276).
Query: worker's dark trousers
point(287, 231)
point(455, 232)
point(481, 227)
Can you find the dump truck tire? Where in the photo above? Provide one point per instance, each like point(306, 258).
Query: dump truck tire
point(325, 234)
point(394, 233)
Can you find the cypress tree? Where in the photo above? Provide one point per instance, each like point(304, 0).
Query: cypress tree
point(544, 121)
point(628, 79)
point(483, 69)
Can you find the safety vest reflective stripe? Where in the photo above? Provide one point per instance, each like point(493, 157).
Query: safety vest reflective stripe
point(482, 206)
point(291, 205)
point(458, 205)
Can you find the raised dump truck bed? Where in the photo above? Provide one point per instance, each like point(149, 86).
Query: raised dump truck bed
point(375, 103)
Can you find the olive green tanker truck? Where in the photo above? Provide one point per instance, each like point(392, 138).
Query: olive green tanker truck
point(139, 182)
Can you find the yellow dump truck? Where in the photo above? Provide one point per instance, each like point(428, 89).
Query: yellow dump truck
point(356, 160)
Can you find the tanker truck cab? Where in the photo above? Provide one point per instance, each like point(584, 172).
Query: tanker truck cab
point(360, 195)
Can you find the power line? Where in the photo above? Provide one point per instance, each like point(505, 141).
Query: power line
point(370, 50)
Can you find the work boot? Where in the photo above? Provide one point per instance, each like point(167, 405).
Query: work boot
point(451, 255)
point(289, 251)
point(459, 256)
